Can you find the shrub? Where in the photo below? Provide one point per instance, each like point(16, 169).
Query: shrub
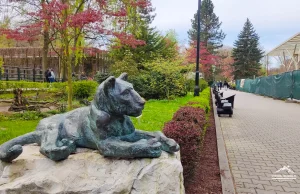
point(141, 84)
point(188, 129)
point(232, 86)
point(202, 101)
point(155, 85)
point(84, 89)
point(157, 79)
point(100, 77)
point(4, 85)
point(191, 115)
point(203, 84)
point(187, 135)
point(190, 85)
point(26, 115)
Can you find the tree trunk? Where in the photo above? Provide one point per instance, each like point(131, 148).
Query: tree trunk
point(46, 42)
point(67, 57)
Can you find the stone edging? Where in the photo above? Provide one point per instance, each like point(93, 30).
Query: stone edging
point(225, 173)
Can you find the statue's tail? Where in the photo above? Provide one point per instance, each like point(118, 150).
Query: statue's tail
point(13, 148)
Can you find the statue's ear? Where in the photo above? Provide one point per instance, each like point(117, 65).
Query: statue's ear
point(123, 76)
point(109, 83)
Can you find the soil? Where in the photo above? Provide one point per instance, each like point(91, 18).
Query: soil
point(4, 107)
point(207, 173)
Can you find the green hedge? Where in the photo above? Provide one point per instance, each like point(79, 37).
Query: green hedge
point(202, 101)
point(5, 85)
point(81, 89)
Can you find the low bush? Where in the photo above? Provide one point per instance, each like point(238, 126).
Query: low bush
point(100, 77)
point(190, 85)
point(157, 79)
point(192, 115)
point(26, 115)
point(84, 89)
point(81, 89)
point(157, 85)
point(188, 136)
point(232, 86)
point(188, 128)
point(203, 84)
point(202, 101)
point(4, 85)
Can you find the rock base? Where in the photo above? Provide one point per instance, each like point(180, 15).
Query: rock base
point(89, 172)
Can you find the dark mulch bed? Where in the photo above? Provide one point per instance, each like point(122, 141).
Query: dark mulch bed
point(207, 173)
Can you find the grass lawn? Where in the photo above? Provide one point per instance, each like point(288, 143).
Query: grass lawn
point(11, 129)
point(157, 112)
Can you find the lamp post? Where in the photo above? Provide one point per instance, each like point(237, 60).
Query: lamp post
point(197, 89)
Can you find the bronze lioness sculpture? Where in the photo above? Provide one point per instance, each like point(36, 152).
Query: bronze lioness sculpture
point(104, 125)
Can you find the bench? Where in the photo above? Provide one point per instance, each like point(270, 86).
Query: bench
point(229, 99)
point(224, 107)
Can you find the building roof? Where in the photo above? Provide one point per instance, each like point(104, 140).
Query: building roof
point(290, 47)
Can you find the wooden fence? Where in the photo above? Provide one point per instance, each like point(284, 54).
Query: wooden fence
point(25, 63)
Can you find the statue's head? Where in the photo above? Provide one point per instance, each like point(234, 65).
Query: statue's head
point(117, 96)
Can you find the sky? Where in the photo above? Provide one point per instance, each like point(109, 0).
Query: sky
point(275, 21)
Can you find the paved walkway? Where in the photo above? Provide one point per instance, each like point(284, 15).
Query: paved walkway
point(262, 136)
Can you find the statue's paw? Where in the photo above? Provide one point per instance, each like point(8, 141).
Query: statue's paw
point(69, 143)
point(154, 150)
point(152, 141)
point(12, 153)
point(169, 145)
point(57, 153)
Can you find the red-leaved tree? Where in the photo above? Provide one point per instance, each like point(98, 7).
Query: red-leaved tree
point(66, 24)
point(206, 59)
point(226, 67)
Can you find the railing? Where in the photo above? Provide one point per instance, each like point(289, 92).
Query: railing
point(17, 74)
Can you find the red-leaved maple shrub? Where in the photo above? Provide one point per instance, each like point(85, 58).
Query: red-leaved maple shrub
point(187, 135)
point(191, 114)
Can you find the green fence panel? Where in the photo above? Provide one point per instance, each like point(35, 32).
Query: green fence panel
point(279, 86)
point(296, 85)
point(283, 84)
point(237, 84)
point(247, 85)
point(259, 82)
point(254, 84)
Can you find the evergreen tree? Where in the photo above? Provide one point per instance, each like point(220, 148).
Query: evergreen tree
point(210, 33)
point(246, 53)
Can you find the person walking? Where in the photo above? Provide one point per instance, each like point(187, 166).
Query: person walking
point(219, 85)
point(47, 75)
point(83, 76)
point(52, 76)
point(225, 85)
